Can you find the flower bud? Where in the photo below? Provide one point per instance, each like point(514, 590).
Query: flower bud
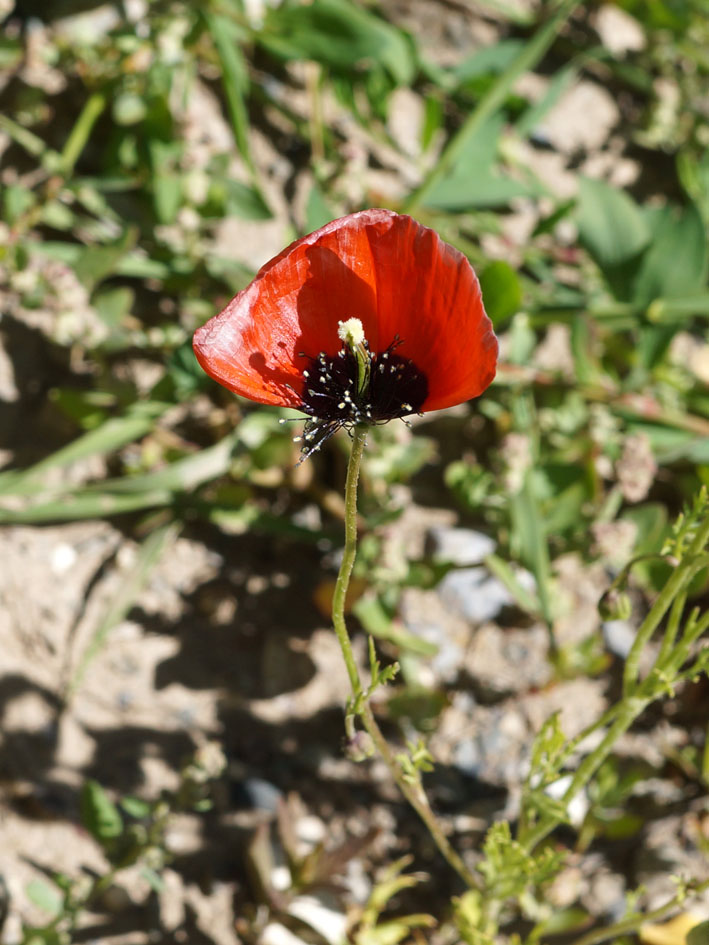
point(359, 747)
point(615, 605)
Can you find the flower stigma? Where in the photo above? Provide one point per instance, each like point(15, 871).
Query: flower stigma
point(352, 333)
point(357, 386)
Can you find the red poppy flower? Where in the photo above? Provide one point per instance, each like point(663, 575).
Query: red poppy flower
point(427, 342)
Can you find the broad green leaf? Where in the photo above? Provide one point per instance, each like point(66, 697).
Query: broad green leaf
point(660, 14)
point(16, 201)
point(94, 263)
point(317, 210)
point(432, 119)
point(502, 291)
point(134, 264)
point(534, 115)
point(675, 263)
point(136, 807)
point(694, 175)
point(113, 305)
point(245, 202)
point(611, 227)
point(99, 814)
point(46, 897)
point(525, 599)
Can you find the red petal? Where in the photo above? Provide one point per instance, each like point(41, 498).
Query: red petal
point(428, 293)
point(393, 274)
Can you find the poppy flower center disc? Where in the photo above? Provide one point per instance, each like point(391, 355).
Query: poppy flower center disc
point(335, 393)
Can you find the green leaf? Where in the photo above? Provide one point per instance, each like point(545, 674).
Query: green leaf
point(246, 202)
point(99, 814)
point(318, 211)
point(432, 119)
point(166, 181)
point(502, 291)
point(338, 34)
point(675, 263)
point(128, 109)
point(132, 493)
point(113, 305)
point(694, 175)
point(534, 115)
point(377, 622)
point(488, 59)
point(46, 897)
point(492, 101)
point(94, 263)
point(11, 51)
point(111, 435)
point(473, 181)
point(16, 200)
point(611, 226)
point(699, 935)
point(45, 936)
point(136, 807)
point(530, 541)
point(525, 599)
point(235, 79)
point(562, 920)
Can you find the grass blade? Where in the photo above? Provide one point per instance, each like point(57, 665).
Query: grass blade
point(491, 101)
point(110, 436)
point(125, 596)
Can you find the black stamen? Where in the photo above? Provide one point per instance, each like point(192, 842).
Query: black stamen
point(332, 400)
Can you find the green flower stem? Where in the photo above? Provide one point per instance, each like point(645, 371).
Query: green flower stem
point(359, 438)
point(675, 586)
point(412, 791)
point(634, 922)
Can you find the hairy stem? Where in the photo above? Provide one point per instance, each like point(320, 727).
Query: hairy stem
point(412, 791)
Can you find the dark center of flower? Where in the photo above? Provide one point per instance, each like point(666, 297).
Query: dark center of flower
point(344, 390)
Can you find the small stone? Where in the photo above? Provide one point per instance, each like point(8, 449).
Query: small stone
point(319, 913)
point(460, 546)
point(619, 636)
point(474, 594)
point(63, 558)
point(261, 794)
